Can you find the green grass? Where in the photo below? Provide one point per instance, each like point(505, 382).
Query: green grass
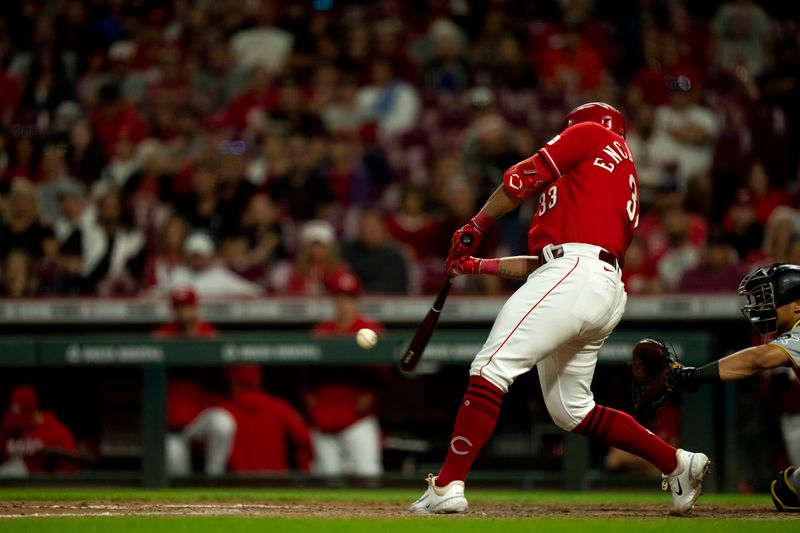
point(778, 523)
point(421, 525)
point(654, 496)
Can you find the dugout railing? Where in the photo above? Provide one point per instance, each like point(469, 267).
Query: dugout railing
point(451, 349)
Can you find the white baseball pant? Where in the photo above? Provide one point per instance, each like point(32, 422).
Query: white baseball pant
point(355, 450)
point(558, 320)
point(215, 428)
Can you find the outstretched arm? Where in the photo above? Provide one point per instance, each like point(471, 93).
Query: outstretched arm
point(739, 365)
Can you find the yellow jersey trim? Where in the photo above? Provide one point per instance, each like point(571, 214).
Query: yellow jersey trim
point(788, 355)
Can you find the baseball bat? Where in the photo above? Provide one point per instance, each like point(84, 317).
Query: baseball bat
point(420, 340)
point(423, 334)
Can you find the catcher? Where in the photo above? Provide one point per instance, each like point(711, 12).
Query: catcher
point(773, 306)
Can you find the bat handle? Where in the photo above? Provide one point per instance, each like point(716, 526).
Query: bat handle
point(466, 239)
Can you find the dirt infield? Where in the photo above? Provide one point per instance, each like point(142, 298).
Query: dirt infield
point(16, 509)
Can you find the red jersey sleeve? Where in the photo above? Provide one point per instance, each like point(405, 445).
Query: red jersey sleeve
point(566, 150)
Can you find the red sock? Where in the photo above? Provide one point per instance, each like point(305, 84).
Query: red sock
point(621, 431)
point(474, 425)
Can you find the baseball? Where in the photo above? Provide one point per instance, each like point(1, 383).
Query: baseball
point(366, 338)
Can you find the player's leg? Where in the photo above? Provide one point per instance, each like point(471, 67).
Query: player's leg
point(328, 460)
point(216, 428)
point(531, 324)
point(362, 443)
point(566, 377)
point(178, 455)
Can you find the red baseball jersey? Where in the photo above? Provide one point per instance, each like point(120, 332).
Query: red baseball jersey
point(587, 186)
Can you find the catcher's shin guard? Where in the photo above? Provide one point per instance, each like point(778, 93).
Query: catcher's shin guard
point(785, 496)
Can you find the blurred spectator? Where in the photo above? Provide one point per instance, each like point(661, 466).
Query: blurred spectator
point(202, 271)
point(272, 161)
point(574, 67)
point(394, 104)
point(413, 225)
point(201, 205)
point(461, 204)
point(293, 113)
point(23, 160)
point(347, 174)
point(114, 119)
point(766, 197)
point(639, 137)
point(682, 253)
point(718, 271)
point(663, 65)
point(47, 86)
point(302, 192)
point(342, 402)
point(316, 261)
point(491, 145)
point(55, 177)
point(741, 30)
point(264, 44)
point(684, 132)
point(194, 415)
point(374, 258)
point(447, 68)
point(33, 440)
point(742, 224)
point(113, 249)
point(75, 213)
point(639, 274)
point(85, 155)
point(259, 240)
point(19, 277)
point(22, 227)
point(247, 108)
point(168, 252)
point(342, 114)
point(782, 224)
point(271, 436)
point(508, 67)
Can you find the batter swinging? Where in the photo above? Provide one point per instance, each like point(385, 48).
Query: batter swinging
point(588, 209)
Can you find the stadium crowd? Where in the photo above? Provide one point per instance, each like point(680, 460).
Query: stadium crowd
point(265, 147)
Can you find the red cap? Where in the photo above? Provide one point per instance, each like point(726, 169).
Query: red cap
point(249, 376)
point(607, 116)
point(184, 295)
point(24, 401)
point(343, 283)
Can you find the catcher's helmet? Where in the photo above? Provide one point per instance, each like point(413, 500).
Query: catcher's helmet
point(767, 288)
point(599, 112)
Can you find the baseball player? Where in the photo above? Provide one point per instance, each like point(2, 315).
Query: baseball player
point(585, 184)
point(773, 306)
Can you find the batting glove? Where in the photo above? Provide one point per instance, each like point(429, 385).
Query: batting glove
point(471, 265)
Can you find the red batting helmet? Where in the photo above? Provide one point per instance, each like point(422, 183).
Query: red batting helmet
point(603, 114)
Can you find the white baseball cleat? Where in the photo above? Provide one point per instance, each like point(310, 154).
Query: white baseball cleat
point(686, 481)
point(441, 500)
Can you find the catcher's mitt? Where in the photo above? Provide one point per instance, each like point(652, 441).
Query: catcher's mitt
point(656, 377)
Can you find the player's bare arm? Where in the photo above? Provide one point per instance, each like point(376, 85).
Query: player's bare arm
point(751, 361)
point(498, 205)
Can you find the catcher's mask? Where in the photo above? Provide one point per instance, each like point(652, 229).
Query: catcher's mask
point(766, 289)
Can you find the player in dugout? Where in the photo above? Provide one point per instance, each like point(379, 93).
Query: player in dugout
point(342, 402)
point(194, 413)
point(773, 306)
point(33, 440)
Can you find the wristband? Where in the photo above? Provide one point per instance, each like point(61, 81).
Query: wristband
point(489, 266)
point(482, 220)
point(694, 377)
